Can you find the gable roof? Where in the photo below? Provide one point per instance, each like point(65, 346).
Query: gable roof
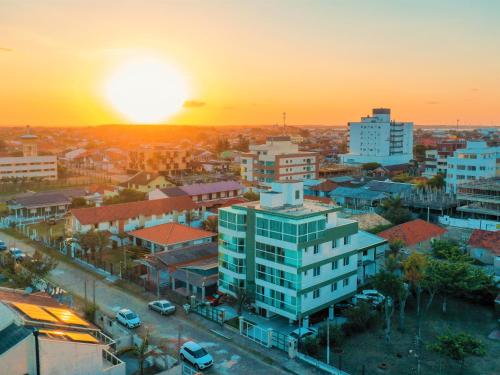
point(141, 178)
point(173, 191)
point(413, 232)
point(486, 240)
point(358, 193)
point(326, 186)
point(389, 187)
point(213, 187)
point(123, 211)
point(41, 200)
point(171, 233)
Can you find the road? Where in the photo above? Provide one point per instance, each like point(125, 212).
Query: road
point(229, 357)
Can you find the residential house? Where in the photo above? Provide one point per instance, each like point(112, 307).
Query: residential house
point(201, 192)
point(323, 189)
point(357, 198)
point(40, 336)
point(146, 182)
point(393, 189)
point(484, 246)
point(416, 234)
point(38, 207)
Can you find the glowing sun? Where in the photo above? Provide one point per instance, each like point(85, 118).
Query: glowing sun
point(146, 90)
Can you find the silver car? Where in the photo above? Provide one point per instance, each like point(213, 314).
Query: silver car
point(162, 306)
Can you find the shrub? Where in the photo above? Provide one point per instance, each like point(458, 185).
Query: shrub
point(337, 336)
point(310, 345)
point(359, 319)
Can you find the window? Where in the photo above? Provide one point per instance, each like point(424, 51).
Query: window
point(346, 261)
point(335, 264)
point(316, 249)
point(345, 282)
point(347, 240)
point(334, 244)
point(316, 293)
point(305, 273)
point(334, 286)
point(297, 194)
point(305, 295)
point(365, 253)
point(316, 271)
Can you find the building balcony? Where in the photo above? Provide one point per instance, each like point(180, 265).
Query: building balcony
point(111, 364)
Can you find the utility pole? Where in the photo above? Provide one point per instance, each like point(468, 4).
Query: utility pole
point(328, 341)
point(284, 123)
point(93, 292)
point(85, 293)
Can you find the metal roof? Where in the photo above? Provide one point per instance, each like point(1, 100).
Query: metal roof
point(389, 187)
point(358, 193)
point(12, 335)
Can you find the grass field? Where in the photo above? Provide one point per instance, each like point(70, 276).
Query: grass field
point(370, 349)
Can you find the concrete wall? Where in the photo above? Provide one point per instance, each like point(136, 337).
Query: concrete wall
point(470, 223)
point(19, 359)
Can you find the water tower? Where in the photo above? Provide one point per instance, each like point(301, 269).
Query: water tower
point(30, 147)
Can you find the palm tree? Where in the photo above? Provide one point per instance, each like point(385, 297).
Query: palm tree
point(141, 352)
point(211, 224)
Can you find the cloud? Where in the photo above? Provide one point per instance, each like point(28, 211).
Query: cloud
point(3, 49)
point(193, 104)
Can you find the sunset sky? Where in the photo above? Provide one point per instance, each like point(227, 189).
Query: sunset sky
point(245, 62)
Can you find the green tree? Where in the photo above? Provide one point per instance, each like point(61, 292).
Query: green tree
point(393, 210)
point(393, 288)
point(436, 181)
point(221, 145)
point(251, 196)
point(211, 224)
point(449, 250)
point(419, 152)
point(126, 196)
point(359, 318)
point(458, 346)
point(141, 352)
point(78, 202)
point(242, 144)
point(30, 269)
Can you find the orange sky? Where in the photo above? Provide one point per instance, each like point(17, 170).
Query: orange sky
point(323, 62)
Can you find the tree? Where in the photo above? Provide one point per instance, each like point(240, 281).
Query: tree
point(29, 270)
point(359, 318)
point(125, 196)
point(78, 202)
point(189, 217)
point(251, 196)
point(402, 177)
point(458, 346)
point(242, 144)
point(449, 250)
point(419, 152)
point(395, 246)
point(394, 211)
point(94, 242)
point(222, 144)
point(141, 352)
point(436, 181)
point(242, 296)
point(211, 224)
point(392, 287)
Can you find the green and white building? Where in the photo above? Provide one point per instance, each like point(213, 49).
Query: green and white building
point(295, 256)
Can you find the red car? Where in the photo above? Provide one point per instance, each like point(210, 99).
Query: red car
point(216, 299)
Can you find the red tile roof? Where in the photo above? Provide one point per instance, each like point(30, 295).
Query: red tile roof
point(123, 211)
point(325, 186)
point(413, 232)
point(171, 233)
point(486, 240)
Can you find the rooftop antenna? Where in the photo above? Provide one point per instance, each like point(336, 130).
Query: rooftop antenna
point(284, 123)
point(457, 124)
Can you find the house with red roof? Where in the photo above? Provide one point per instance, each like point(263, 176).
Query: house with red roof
point(484, 246)
point(416, 234)
point(125, 217)
point(170, 236)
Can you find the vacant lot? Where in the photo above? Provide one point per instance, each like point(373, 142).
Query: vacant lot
point(371, 350)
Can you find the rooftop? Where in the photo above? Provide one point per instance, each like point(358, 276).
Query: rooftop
point(486, 240)
point(171, 233)
point(308, 208)
point(413, 232)
point(41, 200)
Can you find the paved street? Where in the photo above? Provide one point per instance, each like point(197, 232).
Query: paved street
point(229, 357)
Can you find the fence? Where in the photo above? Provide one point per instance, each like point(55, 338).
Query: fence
point(320, 365)
point(188, 370)
point(280, 340)
point(211, 313)
point(255, 333)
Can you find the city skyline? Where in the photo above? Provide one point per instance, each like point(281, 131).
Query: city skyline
point(244, 64)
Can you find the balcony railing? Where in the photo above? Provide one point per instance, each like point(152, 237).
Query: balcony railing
point(111, 359)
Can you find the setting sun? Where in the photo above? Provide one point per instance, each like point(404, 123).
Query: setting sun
point(146, 90)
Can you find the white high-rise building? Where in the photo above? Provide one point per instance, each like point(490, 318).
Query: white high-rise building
point(474, 162)
point(379, 139)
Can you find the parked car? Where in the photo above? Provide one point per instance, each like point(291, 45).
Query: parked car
point(374, 295)
point(128, 318)
point(17, 254)
point(341, 307)
point(216, 299)
point(163, 306)
point(3, 245)
point(303, 332)
point(196, 355)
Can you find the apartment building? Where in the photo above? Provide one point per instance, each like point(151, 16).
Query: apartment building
point(40, 336)
point(30, 165)
point(166, 161)
point(480, 198)
point(379, 139)
point(295, 256)
point(279, 159)
point(436, 160)
point(474, 162)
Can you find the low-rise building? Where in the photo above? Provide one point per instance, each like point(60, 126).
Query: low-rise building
point(416, 234)
point(296, 257)
point(278, 160)
point(146, 182)
point(484, 246)
point(38, 207)
point(40, 336)
point(201, 192)
point(357, 198)
point(480, 199)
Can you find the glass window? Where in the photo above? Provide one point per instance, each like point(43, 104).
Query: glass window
point(347, 240)
point(335, 264)
point(345, 282)
point(346, 261)
point(316, 249)
point(316, 271)
point(334, 286)
point(316, 293)
point(334, 244)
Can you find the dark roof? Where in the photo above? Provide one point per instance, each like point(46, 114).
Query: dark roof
point(12, 335)
point(41, 200)
point(173, 191)
point(358, 193)
point(389, 187)
point(187, 255)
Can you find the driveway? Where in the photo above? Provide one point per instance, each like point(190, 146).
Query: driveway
point(229, 356)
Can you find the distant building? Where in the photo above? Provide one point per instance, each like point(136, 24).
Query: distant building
point(295, 256)
point(169, 162)
point(201, 192)
point(278, 160)
point(379, 139)
point(40, 336)
point(484, 246)
point(474, 162)
point(146, 182)
point(480, 198)
point(30, 165)
point(38, 207)
point(436, 160)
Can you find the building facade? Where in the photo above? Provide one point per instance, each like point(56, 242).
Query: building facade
point(296, 257)
point(170, 162)
point(436, 160)
point(474, 162)
point(278, 160)
point(379, 139)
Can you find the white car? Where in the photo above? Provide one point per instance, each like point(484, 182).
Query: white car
point(128, 318)
point(374, 295)
point(163, 306)
point(303, 332)
point(196, 355)
point(17, 253)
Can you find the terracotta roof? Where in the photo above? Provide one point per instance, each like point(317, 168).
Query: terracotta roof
point(123, 211)
point(326, 186)
point(413, 232)
point(486, 240)
point(171, 233)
